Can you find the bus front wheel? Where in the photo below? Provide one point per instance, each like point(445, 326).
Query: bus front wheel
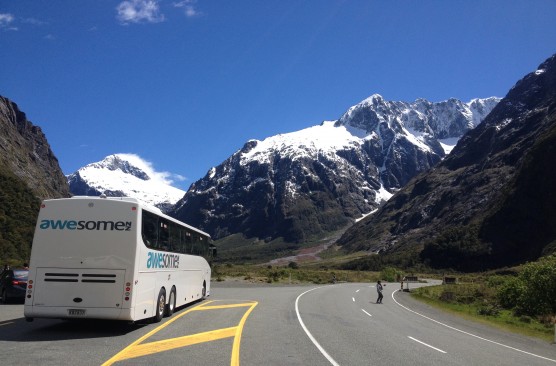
point(160, 305)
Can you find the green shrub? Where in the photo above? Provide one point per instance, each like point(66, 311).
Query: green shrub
point(488, 310)
point(533, 292)
point(509, 292)
point(447, 296)
point(390, 274)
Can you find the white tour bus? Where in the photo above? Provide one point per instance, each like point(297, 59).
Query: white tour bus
point(113, 258)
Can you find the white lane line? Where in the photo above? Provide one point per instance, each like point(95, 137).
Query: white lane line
point(357, 291)
point(353, 298)
point(365, 312)
point(6, 323)
point(319, 347)
point(471, 334)
point(428, 345)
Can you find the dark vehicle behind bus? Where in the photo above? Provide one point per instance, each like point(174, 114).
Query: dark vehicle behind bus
point(13, 285)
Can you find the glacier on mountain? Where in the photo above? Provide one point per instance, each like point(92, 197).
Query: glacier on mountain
point(125, 175)
point(304, 183)
point(429, 127)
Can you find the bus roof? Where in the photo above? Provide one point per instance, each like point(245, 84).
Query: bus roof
point(136, 201)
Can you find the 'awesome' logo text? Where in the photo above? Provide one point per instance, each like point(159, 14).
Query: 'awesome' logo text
point(85, 225)
point(162, 260)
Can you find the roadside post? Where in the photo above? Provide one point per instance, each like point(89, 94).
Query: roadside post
point(408, 279)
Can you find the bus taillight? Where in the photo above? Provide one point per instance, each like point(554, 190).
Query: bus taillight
point(127, 291)
point(29, 287)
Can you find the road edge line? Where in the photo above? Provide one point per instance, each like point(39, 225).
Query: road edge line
point(319, 347)
point(471, 334)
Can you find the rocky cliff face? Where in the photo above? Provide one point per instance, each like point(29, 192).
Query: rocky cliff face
point(25, 152)
point(306, 183)
point(490, 202)
point(29, 172)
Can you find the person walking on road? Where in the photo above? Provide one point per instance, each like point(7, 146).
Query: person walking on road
point(379, 290)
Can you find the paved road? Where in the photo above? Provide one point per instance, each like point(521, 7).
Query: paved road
point(353, 330)
point(274, 325)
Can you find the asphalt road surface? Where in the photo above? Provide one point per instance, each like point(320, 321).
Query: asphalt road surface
point(274, 325)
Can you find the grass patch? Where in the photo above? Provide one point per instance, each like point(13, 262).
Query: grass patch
point(238, 249)
point(287, 275)
point(476, 302)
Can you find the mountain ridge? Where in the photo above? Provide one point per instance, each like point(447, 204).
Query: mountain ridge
point(29, 172)
point(457, 215)
point(305, 183)
point(126, 175)
point(25, 152)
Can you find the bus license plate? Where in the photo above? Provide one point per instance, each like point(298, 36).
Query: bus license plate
point(76, 312)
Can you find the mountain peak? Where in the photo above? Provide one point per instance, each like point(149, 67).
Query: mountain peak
point(373, 99)
point(304, 183)
point(447, 119)
point(490, 202)
point(126, 163)
point(126, 175)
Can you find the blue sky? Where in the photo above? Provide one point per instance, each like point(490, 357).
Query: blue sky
point(184, 84)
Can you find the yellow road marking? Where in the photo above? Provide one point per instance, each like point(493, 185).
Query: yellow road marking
point(169, 344)
point(237, 338)
point(121, 355)
point(138, 349)
point(214, 307)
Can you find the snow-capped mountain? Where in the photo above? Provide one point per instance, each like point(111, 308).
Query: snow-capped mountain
point(490, 203)
point(319, 179)
point(125, 175)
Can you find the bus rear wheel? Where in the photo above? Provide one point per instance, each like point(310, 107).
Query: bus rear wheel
point(171, 303)
point(204, 290)
point(160, 305)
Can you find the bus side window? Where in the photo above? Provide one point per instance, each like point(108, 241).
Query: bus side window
point(189, 242)
point(183, 242)
point(199, 245)
point(149, 234)
point(163, 235)
point(174, 237)
point(194, 244)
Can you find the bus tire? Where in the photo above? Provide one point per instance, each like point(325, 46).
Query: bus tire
point(160, 305)
point(171, 302)
point(204, 290)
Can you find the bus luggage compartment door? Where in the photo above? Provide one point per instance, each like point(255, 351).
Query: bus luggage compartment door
point(95, 288)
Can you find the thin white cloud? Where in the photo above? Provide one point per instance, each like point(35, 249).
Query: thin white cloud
point(161, 177)
point(33, 21)
point(139, 11)
point(6, 20)
point(189, 7)
point(10, 22)
point(179, 177)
